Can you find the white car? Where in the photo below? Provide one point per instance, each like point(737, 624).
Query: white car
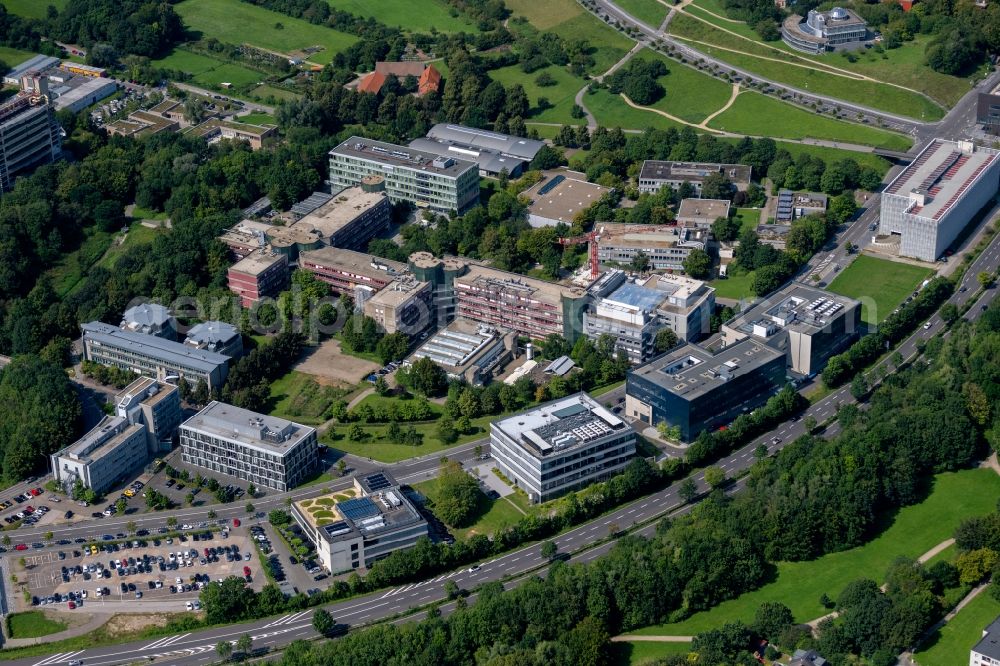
point(98, 592)
point(927, 325)
point(189, 606)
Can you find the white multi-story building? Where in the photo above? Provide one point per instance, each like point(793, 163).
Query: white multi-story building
point(29, 132)
point(560, 446)
point(932, 200)
point(266, 451)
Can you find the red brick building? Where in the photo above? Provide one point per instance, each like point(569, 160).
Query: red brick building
point(259, 275)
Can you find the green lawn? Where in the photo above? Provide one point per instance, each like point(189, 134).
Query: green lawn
point(376, 401)
point(955, 639)
point(735, 287)
point(14, 57)
point(377, 447)
point(417, 16)
point(753, 113)
point(69, 270)
point(639, 653)
point(913, 531)
point(748, 218)
point(880, 164)
point(208, 71)
point(612, 111)
point(237, 22)
point(500, 513)
point(137, 235)
point(880, 283)
point(690, 95)
point(298, 397)
point(258, 119)
point(140, 213)
point(32, 624)
point(560, 96)
point(650, 12)
point(265, 91)
point(870, 93)
point(32, 8)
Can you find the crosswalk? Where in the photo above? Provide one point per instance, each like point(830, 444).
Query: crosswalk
point(58, 658)
point(288, 619)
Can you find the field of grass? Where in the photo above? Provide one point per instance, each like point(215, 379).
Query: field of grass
point(208, 71)
point(638, 653)
point(869, 93)
point(748, 218)
point(960, 634)
point(560, 96)
point(913, 531)
point(499, 513)
point(650, 12)
point(298, 397)
point(377, 447)
point(68, 272)
point(237, 22)
point(258, 119)
point(570, 21)
point(417, 16)
point(880, 164)
point(735, 287)
point(691, 95)
point(753, 113)
point(879, 282)
point(265, 91)
point(32, 624)
point(137, 235)
point(14, 57)
point(32, 8)
point(612, 111)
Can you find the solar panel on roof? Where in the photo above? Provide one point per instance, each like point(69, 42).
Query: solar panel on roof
point(569, 410)
point(377, 482)
point(358, 509)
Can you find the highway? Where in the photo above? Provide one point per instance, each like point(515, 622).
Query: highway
point(272, 633)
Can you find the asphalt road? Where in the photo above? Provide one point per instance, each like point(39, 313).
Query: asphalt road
point(271, 633)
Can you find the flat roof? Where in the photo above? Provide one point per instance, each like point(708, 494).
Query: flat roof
point(486, 277)
point(940, 175)
point(38, 62)
point(168, 351)
point(561, 425)
point(459, 344)
point(216, 124)
point(707, 208)
point(337, 518)
point(356, 263)
point(400, 156)
point(257, 262)
point(83, 86)
point(485, 140)
point(796, 306)
point(103, 439)
point(692, 172)
point(690, 371)
point(266, 433)
point(563, 201)
point(145, 391)
point(398, 291)
point(342, 209)
point(643, 236)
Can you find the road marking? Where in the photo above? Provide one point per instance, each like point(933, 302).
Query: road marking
point(56, 658)
point(278, 621)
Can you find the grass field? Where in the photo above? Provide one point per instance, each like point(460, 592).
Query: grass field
point(265, 91)
point(870, 93)
point(32, 8)
point(878, 282)
point(748, 218)
point(32, 624)
point(736, 286)
point(377, 447)
point(137, 235)
point(13, 57)
point(499, 513)
point(638, 653)
point(611, 111)
point(958, 636)
point(68, 272)
point(911, 532)
point(880, 164)
point(298, 397)
point(650, 12)
point(208, 71)
point(258, 119)
point(570, 21)
point(560, 96)
point(690, 95)
point(753, 113)
point(417, 16)
point(237, 22)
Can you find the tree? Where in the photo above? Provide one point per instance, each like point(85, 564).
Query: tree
point(698, 264)
point(549, 550)
point(211, 515)
point(446, 431)
point(244, 644)
point(381, 386)
point(688, 490)
point(224, 649)
point(771, 619)
point(130, 527)
point(341, 467)
point(355, 433)
point(460, 498)
point(451, 589)
point(715, 476)
point(323, 622)
point(949, 313)
point(725, 229)
point(425, 376)
point(392, 347)
point(48, 535)
point(252, 490)
point(640, 262)
point(171, 522)
point(249, 507)
point(717, 185)
point(985, 279)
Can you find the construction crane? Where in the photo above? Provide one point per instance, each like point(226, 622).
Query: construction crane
point(591, 238)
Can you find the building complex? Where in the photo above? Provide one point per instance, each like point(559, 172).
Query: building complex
point(666, 247)
point(468, 351)
point(405, 305)
point(150, 319)
point(353, 273)
point(428, 79)
point(988, 112)
point(261, 274)
point(560, 198)
point(354, 532)
point(932, 200)
point(492, 151)
point(348, 219)
point(424, 179)
point(29, 133)
point(266, 451)
point(560, 446)
point(702, 212)
point(656, 174)
point(834, 30)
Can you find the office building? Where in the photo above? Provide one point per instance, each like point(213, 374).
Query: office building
point(793, 205)
point(156, 406)
point(560, 446)
point(107, 455)
point(634, 312)
point(150, 356)
point(150, 319)
point(527, 306)
point(467, 350)
point(79, 92)
point(424, 179)
point(666, 247)
point(266, 451)
point(402, 306)
point(694, 389)
point(441, 273)
point(932, 200)
point(38, 64)
point(216, 129)
point(29, 133)
point(141, 124)
point(702, 212)
point(835, 30)
point(353, 273)
point(216, 336)
point(808, 325)
point(355, 533)
point(348, 219)
point(261, 274)
point(560, 199)
point(656, 174)
point(492, 151)
point(988, 112)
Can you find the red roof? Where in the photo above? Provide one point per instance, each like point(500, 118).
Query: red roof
point(430, 81)
point(372, 83)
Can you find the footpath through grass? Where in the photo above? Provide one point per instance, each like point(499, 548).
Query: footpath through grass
point(913, 531)
point(958, 636)
point(32, 624)
point(880, 284)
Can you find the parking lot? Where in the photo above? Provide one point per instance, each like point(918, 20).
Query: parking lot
point(171, 569)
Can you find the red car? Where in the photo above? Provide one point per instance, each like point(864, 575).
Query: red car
point(236, 522)
point(21, 546)
point(71, 604)
point(246, 571)
point(35, 492)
